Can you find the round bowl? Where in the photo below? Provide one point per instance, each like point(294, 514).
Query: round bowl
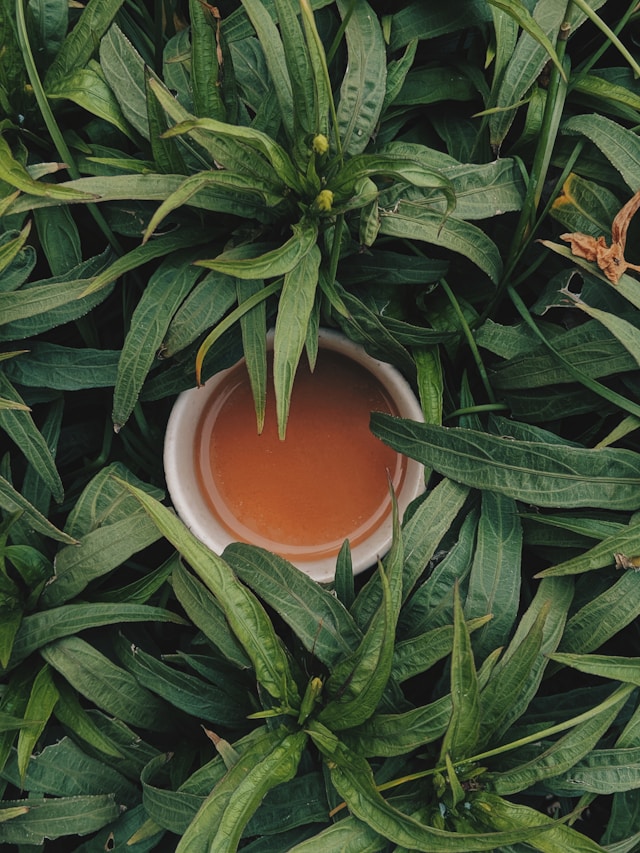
point(211, 517)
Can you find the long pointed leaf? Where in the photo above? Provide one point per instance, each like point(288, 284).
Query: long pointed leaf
point(533, 472)
point(20, 426)
point(461, 737)
point(363, 86)
point(166, 289)
point(353, 779)
point(294, 312)
point(219, 822)
point(244, 613)
point(241, 264)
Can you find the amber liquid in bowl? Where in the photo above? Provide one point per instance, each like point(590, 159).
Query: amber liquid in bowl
point(327, 481)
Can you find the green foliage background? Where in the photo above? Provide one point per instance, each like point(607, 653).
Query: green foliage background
point(174, 180)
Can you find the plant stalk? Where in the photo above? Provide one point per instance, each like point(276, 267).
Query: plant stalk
point(52, 126)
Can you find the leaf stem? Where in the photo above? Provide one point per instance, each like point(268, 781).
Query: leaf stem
point(470, 340)
point(597, 387)
point(472, 410)
point(609, 33)
point(52, 126)
point(554, 104)
point(335, 44)
point(615, 697)
point(230, 319)
point(335, 247)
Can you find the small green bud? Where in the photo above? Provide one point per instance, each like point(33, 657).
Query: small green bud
point(320, 144)
point(310, 698)
point(324, 200)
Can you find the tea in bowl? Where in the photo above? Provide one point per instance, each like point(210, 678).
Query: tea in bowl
point(300, 497)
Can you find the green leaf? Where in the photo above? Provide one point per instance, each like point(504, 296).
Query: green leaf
point(519, 12)
point(353, 779)
point(368, 328)
point(532, 472)
point(418, 654)
point(244, 613)
point(260, 143)
point(510, 677)
point(42, 701)
point(421, 536)
point(88, 88)
point(619, 145)
point(603, 617)
point(394, 166)
point(98, 552)
point(398, 734)
point(48, 818)
point(524, 67)
point(552, 836)
point(516, 677)
point(9, 723)
point(603, 771)
point(80, 43)
point(243, 263)
point(322, 103)
point(124, 70)
point(410, 221)
point(357, 682)
point(21, 428)
point(10, 248)
point(47, 365)
point(205, 63)
point(170, 809)
point(561, 755)
point(300, 74)
point(254, 345)
point(606, 666)
point(625, 541)
point(108, 686)
point(39, 629)
point(320, 622)
point(430, 85)
point(222, 183)
point(205, 306)
point(166, 289)
point(418, 21)
point(64, 770)
point(585, 206)
point(624, 331)
point(494, 582)
point(78, 720)
point(203, 610)
point(60, 238)
point(592, 350)
point(344, 581)
point(42, 305)
point(218, 704)
point(219, 823)
point(16, 175)
point(12, 501)
point(461, 737)
point(274, 54)
point(294, 312)
point(347, 834)
point(363, 86)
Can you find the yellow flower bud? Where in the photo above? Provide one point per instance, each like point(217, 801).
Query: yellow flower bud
point(320, 144)
point(324, 200)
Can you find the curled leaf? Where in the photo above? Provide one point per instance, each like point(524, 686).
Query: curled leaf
point(611, 258)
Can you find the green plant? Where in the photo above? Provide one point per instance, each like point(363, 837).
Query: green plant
point(479, 688)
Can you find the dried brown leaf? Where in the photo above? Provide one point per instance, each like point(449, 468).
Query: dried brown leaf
point(611, 258)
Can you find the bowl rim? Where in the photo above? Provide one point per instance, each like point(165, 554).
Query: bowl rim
point(191, 507)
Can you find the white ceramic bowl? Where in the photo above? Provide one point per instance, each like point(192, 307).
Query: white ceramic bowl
point(191, 504)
